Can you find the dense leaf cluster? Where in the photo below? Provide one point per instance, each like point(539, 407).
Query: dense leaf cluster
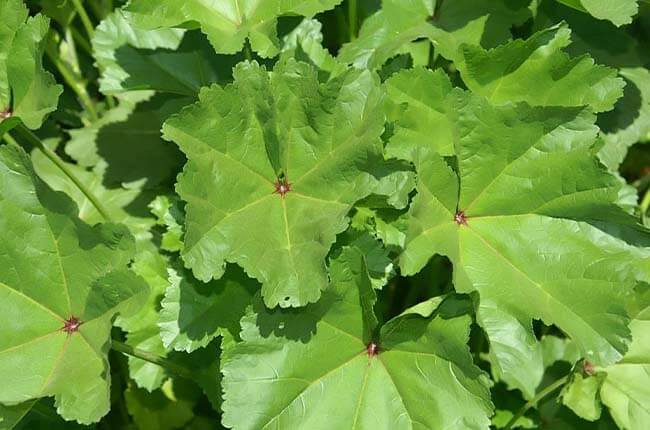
point(324, 214)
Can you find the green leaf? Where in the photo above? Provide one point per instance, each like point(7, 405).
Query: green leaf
point(426, 121)
point(581, 396)
point(162, 409)
point(523, 213)
point(127, 135)
point(305, 43)
point(194, 313)
point(304, 365)
point(141, 329)
point(619, 12)
point(537, 72)
point(262, 132)
point(57, 272)
point(163, 60)
point(170, 214)
point(27, 91)
point(476, 22)
point(229, 23)
point(629, 122)
point(626, 388)
point(10, 416)
point(117, 30)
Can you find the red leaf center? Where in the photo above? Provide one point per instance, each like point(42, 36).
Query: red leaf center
point(71, 325)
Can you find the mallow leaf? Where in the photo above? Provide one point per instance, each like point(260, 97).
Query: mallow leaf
point(61, 284)
point(276, 161)
point(194, 313)
point(332, 366)
point(626, 386)
point(27, 91)
point(447, 24)
point(228, 23)
point(619, 12)
point(525, 213)
point(537, 72)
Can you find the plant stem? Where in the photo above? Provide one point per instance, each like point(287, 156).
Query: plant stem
point(248, 51)
point(85, 19)
point(545, 392)
point(51, 155)
point(151, 358)
point(352, 19)
point(73, 83)
point(81, 41)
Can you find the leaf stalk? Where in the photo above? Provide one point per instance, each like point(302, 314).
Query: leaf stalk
point(152, 358)
point(28, 135)
point(532, 402)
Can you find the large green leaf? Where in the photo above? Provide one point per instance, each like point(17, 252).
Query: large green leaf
point(276, 161)
point(61, 283)
point(27, 91)
point(524, 213)
point(228, 23)
point(330, 367)
point(537, 72)
point(619, 12)
point(194, 313)
point(476, 22)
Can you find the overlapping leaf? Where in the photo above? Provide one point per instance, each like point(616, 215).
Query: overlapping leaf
point(276, 161)
point(619, 12)
point(476, 22)
point(302, 366)
point(228, 23)
point(194, 313)
point(61, 283)
point(524, 214)
point(27, 91)
point(537, 72)
point(163, 60)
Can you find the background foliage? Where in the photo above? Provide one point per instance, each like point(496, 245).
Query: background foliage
point(324, 214)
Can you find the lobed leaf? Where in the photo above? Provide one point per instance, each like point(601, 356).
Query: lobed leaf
point(61, 283)
point(293, 369)
point(276, 161)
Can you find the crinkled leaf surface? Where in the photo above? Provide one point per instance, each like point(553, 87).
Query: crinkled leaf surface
point(27, 91)
point(228, 23)
point(194, 313)
point(477, 22)
point(619, 12)
point(537, 72)
point(515, 218)
point(54, 268)
point(311, 369)
point(246, 141)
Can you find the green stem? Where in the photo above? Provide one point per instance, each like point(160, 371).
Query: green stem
point(81, 41)
point(85, 19)
point(151, 358)
point(352, 19)
point(51, 155)
point(532, 402)
point(248, 51)
point(645, 203)
point(73, 83)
